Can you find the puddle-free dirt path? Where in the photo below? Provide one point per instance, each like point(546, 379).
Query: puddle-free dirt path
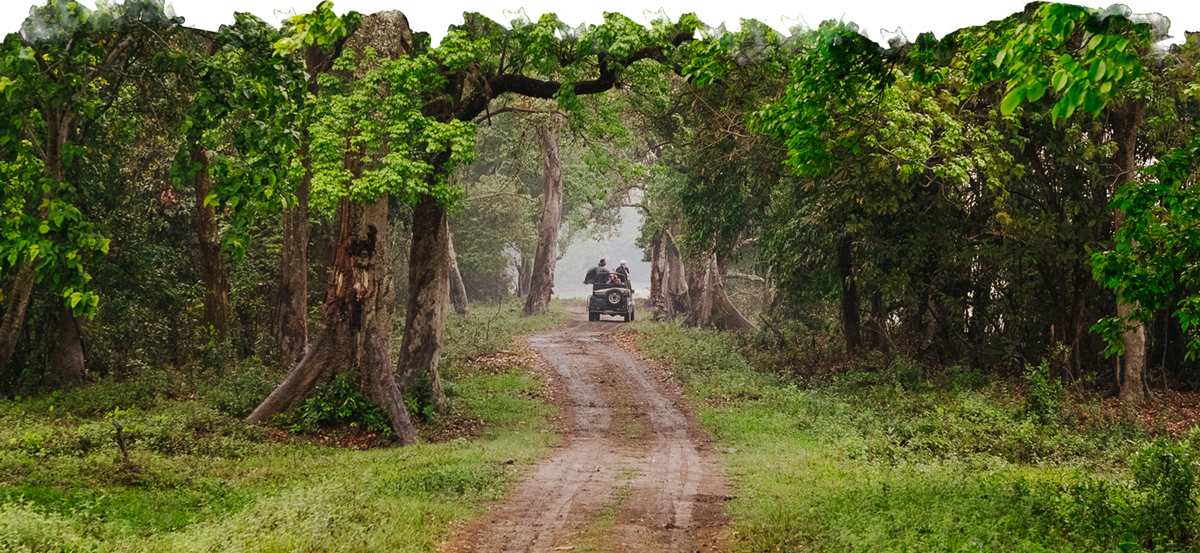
point(634, 472)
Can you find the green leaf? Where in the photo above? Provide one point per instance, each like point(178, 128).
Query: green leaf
point(1012, 100)
point(1060, 80)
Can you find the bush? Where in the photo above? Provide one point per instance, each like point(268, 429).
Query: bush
point(1045, 393)
point(1165, 473)
point(239, 392)
point(340, 403)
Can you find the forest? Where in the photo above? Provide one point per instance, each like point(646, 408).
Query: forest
point(265, 281)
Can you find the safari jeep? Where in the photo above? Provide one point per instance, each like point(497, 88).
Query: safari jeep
point(611, 298)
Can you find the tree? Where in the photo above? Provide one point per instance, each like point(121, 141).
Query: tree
point(541, 283)
point(1089, 59)
point(64, 70)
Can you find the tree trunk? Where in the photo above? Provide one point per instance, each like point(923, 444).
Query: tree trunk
point(428, 294)
point(216, 277)
point(292, 311)
point(523, 274)
point(851, 328)
point(458, 290)
point(358, 313)
point(17, 298)
point(725, 316)
point(1126, 121)
point(66, 363)
point(541, 282)
point(659, 273)
point(710, 305)
point(676, 279)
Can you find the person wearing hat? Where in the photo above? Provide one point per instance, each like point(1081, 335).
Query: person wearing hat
point(623, 270)
point(599, 273)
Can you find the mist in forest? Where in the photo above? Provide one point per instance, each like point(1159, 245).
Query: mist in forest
point(581, 256)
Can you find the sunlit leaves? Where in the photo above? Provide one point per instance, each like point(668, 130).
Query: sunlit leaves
point(1086, 59)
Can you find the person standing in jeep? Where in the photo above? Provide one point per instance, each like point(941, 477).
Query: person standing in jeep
point(596, 274)
point(623, 270)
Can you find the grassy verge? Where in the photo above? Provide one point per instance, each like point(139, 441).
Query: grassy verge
point(198, 479)
point(894, 459)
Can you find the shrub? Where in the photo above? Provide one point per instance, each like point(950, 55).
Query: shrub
point(1045, 393)
point(1165, 472)
point(340, 403)
point(239, 392)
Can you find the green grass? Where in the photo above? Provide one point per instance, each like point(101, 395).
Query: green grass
point(898, 460)
point(199, 479)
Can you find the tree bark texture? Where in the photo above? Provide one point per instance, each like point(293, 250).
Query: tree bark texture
point(216, 276)
point(541, 281)
point(851, 328)
point(17, 302)
point(358, 313)
point(1126, 122)
point(658, 301)
point(710, 304)
point(292, 310)
point(428, 294)
point(66, 363)
point(458, 290)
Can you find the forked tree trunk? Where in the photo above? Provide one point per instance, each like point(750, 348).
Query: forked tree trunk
point(1126, 122)
point(851, 329)
point(16, 301)
point(676, 280)
point(541, 281)
point(66, 362)
point(292, 311)
point(357, 315)
point(216, 277)
point(428, 294)
point(458, 290)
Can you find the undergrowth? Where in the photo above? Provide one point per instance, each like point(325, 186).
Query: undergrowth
point(894, 457)
point(197, 478)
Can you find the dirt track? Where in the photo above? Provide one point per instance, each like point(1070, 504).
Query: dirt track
point(634, 472)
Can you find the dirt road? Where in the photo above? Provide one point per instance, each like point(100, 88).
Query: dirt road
point(634, 472)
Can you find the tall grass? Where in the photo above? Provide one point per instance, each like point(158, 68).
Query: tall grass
point(898, 459)
point(199, 479)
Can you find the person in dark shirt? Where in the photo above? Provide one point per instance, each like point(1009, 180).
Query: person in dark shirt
point(623, 270)
point(594, 274)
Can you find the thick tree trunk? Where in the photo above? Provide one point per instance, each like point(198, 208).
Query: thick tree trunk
point(17, 302)
point(851, 327)
point(216, 277)
point(676, 279)
point(428, 294)
point(292, 311)
point(524, 271)
point(458, 290)
point(541, 282)
point(360, 304)
point(725, 316)
point(710, 305)
point(357, 315)
point(659, 272)
point(66, 363)
point(1126, 121)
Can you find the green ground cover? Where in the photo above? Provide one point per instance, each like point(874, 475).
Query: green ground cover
point(889, 458)
point(199, 479)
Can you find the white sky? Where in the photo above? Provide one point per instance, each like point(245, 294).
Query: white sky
point(913, 16)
